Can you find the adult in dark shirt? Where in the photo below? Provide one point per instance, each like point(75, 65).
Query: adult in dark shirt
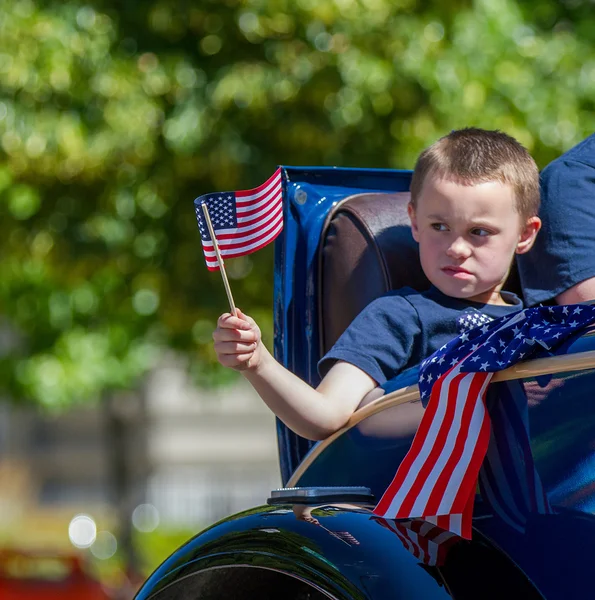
point(561, 266)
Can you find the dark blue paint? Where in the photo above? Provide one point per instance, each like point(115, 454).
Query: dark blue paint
point(296, 326)
point(373, 565)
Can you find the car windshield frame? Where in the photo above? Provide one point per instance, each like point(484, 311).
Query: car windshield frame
point(404, 389)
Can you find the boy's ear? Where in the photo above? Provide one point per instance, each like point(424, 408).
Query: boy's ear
point(413, 219)
point(528, 235)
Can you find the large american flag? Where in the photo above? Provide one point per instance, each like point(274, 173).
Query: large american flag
point(243, 221)
point(460, 427)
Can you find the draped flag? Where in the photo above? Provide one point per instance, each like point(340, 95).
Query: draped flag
point(428, 543)
point(438, 477)
point(243, 221)
point(508, 480)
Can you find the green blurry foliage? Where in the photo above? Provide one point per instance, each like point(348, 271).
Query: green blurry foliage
point(114, 116)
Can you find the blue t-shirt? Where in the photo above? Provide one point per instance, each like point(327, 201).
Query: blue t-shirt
point(401, 328)
point(564, 250)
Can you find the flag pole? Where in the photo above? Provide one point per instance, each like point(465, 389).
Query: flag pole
point(232, 306)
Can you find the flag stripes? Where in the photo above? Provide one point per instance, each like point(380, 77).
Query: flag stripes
point(439, 472)
point(428, 543)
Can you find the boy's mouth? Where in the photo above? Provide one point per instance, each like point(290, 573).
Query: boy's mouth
point(457, 272)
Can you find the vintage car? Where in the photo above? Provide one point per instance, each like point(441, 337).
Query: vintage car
point(346, 241)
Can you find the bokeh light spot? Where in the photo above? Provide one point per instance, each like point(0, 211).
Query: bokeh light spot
point(145, 302)
point(434, 32)
point(82, 531)
point(145, 518)
point(211, 44)
point(104, 546)
point(85, 17)
point(24, 202)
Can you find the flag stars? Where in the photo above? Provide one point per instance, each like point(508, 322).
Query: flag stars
point(528, 331)
point(471, 319)
point(222, 212)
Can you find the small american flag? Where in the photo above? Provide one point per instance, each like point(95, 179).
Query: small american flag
point(438, 477)
point(243, 221)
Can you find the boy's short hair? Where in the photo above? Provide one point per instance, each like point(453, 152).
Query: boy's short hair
point(471, 155)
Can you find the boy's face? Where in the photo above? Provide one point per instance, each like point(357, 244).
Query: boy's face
point(468, 235)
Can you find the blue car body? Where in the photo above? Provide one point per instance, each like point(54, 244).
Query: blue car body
point(337, 549)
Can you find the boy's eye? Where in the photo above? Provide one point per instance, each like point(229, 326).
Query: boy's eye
point(480, 231)
point(439, 226)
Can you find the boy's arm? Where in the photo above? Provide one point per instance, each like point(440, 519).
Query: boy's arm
point(312, 413)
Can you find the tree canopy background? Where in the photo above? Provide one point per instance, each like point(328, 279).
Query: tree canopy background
point(114, 116)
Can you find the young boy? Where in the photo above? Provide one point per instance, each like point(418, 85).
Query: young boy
point(474, 201)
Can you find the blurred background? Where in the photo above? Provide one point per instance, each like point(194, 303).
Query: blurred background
point(120, 436)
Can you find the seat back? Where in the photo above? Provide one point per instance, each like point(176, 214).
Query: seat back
point(367, 250)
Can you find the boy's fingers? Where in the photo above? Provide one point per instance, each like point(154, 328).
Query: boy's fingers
point(232, 348)
point(235, 335)
point(236, 360)
point(227, 321)
point(246, 317)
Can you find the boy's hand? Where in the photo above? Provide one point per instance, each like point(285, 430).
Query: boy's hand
point(237, 341)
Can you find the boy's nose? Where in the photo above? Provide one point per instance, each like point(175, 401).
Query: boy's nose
point(458, 249)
